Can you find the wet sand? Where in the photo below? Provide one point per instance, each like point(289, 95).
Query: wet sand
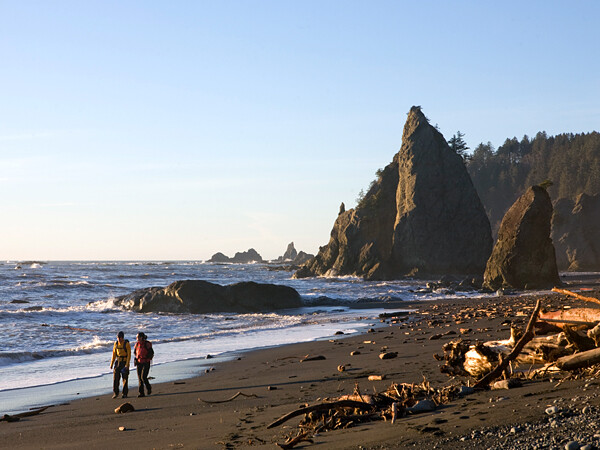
point(175, 416)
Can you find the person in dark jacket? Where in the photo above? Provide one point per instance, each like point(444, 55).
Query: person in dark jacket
point(143, 355)
point(121, 355)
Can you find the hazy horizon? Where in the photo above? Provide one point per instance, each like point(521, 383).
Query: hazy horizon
point(147, 131)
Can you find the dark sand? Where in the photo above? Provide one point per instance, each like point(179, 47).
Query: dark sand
point(174, 417)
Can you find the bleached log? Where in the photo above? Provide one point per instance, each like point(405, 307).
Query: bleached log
point(574, 316)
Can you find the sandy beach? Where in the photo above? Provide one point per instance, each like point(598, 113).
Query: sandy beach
point(178, 415)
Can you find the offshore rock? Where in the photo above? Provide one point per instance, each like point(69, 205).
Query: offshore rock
point(202, 297)
point(302, 257)
point(523, 256)
point(421, 217)
point(250, 256)
point(289, 255)
point(576, 233)
point(219, 258)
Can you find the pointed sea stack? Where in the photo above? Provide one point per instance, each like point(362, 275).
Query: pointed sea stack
point(523, 256)
point(421, 217)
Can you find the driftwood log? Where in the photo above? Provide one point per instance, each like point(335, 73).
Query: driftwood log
point(322, 407)
point(16, 417)
point(587, 317)
point(505, 361)
point(578, 360)
point(576, 295)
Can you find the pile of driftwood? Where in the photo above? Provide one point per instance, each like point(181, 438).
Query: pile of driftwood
point(563, 340)
point(555, 341)
point(397, 401)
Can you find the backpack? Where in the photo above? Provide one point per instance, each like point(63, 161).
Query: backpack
point(144, 351)
point(150, 352)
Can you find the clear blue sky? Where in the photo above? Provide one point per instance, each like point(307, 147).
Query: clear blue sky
point(173, 130)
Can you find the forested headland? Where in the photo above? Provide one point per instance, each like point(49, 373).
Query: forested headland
point(568, 163)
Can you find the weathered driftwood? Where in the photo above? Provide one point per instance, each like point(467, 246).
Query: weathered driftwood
point(229, 399)
point(16, 417)
point(322, 407)
point(313, 358)
point(303, 436)
point(504, 361)
point(576, 295)
point(574, 316)
point(579, 360)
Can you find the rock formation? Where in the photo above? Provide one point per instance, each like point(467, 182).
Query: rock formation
point(219, 258)
point(421, 217)
point(576, 233)
point(246, 257)
point(202, 297)
point(523, 256)
point(290, 253)
point(301, 258)
point(293, 257)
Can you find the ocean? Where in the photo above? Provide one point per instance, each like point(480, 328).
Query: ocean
point(58, 321)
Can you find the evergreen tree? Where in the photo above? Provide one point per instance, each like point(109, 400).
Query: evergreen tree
point(458, 144)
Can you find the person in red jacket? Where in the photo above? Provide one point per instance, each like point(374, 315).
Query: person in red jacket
point(143, 355)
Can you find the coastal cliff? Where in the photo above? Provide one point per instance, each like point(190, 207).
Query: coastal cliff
point(420, 217)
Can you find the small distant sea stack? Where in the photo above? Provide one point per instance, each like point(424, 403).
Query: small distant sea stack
point(294, 257)
point(524, 256)
point(249, 256)
point(421, 217)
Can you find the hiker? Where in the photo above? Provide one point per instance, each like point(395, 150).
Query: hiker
point(143, 355)
point(121, 356)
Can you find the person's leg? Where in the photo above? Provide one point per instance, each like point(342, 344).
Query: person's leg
point(146, 372)
point(140, 373)
point(125, 383)
point(116, 379)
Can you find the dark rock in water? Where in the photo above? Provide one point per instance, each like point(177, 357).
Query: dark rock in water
point(576, 233)
point(421, 217)
point(34, 308)
point(302, 257)
point(290, 253)
point(198, 296)
point(294, 257)
point(219, 258)
point(523, 256)
point(246, 257)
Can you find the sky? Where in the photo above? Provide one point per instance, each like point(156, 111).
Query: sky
point(158, 130)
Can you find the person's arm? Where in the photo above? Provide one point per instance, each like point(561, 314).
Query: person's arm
point(128, 348)
point(114, 355)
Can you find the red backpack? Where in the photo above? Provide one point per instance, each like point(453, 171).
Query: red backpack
point(144, 353)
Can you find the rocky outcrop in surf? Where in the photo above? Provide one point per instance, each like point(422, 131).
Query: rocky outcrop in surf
point(249, 256)
point(576, 233)
point(293, 257)
point(523, 256)
point(202, 297)
point(420, 217)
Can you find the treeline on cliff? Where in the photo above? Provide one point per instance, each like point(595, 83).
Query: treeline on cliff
point(570, 161)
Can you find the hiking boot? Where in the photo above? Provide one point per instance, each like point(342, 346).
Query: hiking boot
point(115, 395)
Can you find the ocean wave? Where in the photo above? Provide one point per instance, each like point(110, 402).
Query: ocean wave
point(95, 346)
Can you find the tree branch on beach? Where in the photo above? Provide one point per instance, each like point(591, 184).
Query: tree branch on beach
point(504, 361)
